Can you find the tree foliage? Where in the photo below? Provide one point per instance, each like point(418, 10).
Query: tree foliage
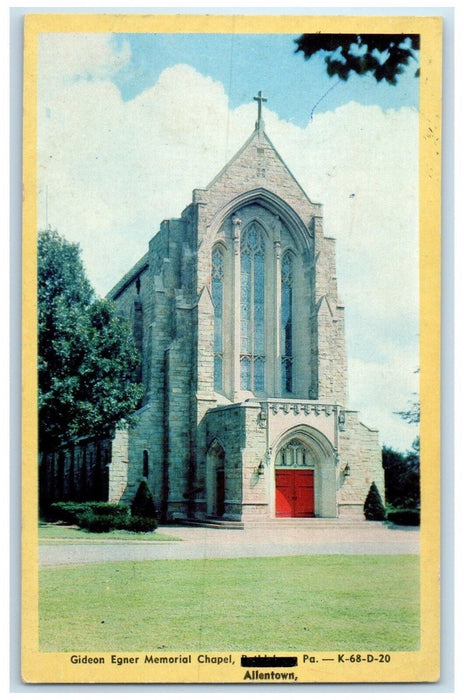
point(384, 56)
point(402, 471)
point(87, 355)
point(402, 477)
point(412, 414)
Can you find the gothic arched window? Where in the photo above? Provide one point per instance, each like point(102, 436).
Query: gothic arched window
point(286, 323)
point(294, 454)
point(217, 292)
point(252, 353)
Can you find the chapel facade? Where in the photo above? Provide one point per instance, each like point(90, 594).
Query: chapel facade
point(236, 314)
point(237, 317)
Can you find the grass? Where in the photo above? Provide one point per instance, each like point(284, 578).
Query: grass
point(50, 533)
point(327, 602)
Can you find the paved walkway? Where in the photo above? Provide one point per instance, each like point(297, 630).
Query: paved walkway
point(262, 541)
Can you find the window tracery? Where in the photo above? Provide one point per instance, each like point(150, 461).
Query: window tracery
point(294, 454)
point(217, 293)
point(286, 322)
point(246, 297)
point(252, 311)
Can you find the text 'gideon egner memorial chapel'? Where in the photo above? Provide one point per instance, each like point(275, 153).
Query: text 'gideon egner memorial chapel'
point(236, 313)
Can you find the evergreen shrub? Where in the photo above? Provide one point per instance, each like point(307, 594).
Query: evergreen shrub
point(373, 506)
point(143, 510)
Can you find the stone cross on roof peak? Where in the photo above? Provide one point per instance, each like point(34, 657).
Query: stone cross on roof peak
point(260, 99)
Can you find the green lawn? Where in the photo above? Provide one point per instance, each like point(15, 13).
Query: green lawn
point(329, 602)
point(50, 533)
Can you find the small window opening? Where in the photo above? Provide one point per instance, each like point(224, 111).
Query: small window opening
point(145, 463)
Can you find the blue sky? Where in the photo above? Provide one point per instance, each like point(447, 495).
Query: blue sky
point(129, 125)
point(246, 63)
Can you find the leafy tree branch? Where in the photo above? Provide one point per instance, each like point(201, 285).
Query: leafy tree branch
point(384, 56)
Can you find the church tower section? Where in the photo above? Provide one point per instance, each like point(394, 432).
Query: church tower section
point(160, 441)
point(258, 221)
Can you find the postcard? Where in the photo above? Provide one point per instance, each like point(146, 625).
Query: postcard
point(231, 397)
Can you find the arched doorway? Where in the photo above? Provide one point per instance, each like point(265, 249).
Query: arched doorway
point(294, 480)
point(305, 476)
point(215, 463)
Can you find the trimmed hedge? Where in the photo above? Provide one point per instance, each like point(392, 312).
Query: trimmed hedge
point(102, 523)
point(83, 514)
point(100, 516)
point(71, 512)
point(68, 512)
point(113, 509)
point(140, 523)
point(404, 516)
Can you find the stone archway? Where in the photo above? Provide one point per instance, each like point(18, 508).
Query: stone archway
point(215, 480)
point(294, 480)
point(304, 469)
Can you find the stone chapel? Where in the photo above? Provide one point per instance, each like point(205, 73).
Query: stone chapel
point(236, 314)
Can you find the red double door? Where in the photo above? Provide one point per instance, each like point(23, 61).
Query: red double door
point(294, 493)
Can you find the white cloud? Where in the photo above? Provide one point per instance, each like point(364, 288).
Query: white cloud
point(362, 164)
point(114, 170)
point(66, 58)
point(380, 389)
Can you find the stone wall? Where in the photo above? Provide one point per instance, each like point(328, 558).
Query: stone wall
point(256, 505)
point(330, 323)
point(243, 439)
point(226, 425)
point(133, 299)
point(359, 447)
point(177, 413)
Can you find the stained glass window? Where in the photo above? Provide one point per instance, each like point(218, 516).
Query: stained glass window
point(252, 336)
point(245, 373)
point(217, 292)
point(286, 339)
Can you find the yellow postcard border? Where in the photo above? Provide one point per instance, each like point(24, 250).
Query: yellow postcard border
point(417, 666)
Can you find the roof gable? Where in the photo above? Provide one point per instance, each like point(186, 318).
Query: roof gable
point(258, 164)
